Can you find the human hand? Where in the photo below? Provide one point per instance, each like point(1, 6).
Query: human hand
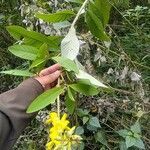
point(48, 77)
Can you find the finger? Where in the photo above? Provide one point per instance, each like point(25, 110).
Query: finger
point(49, 70)
point(47, 87)
point(53, 84)
point(48, 79)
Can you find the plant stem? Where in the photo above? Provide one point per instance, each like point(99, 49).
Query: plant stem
point(79, 13)
point(56, 2)
point(58, 100)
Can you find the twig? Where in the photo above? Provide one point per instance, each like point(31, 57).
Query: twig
point(134, 63)
point(56, 2)
point(58, 100)
point(79, 13)
point(123, 91)
point(136, 29)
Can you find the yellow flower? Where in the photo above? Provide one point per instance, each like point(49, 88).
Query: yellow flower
point(60, 134)
point(49, 145)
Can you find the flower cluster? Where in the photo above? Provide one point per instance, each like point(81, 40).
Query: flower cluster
point(61, 135)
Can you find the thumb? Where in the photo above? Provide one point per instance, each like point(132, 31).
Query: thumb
point(48, 79)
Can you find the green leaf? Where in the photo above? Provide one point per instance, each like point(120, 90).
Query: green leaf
point(70, 45)
point(96, 27)
point(123, 133)
point(52, 39)
point(57, 40)
point(122, 4)
point(68, 64)
point(85, 119)
point(24, 51)
point(15, 31)
point(42, 56)
point(70, 105)
point(92, 128)
point(101, 8)
point(103, 148)
point(136, 128)
point(76, 1)
point(56, 17)
point(86, 76)
point(18, 33)
point(22, 32)
point(16, 72)
point(94, 121)
point(130, 141)
point(82, 112)
point(70, 94)
point(37, 62)
point(84, 81)
point(79, 130)
point(45, 99)
point(100, 137)
point(136, 135)
point(139, 143)
point(81, 146)
point(85, 89)
point(32, 42)
point(61, 25)
point(70, 101)
point(122, 145)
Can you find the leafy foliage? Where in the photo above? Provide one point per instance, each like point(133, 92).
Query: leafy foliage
point(18, 32)
point(85, 89)
point(68, 64)
point(24, 51)
point(56, 17)
point(45, 99)
point(97, 17)
point(122, 64)
point(70, 100)
point(86, 76)
point(132, 136)
point(18, 72)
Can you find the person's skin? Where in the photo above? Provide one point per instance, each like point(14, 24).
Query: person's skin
point(48, 77)
point(14, 103)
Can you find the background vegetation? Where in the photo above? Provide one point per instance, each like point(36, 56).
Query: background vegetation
point(122, 64)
